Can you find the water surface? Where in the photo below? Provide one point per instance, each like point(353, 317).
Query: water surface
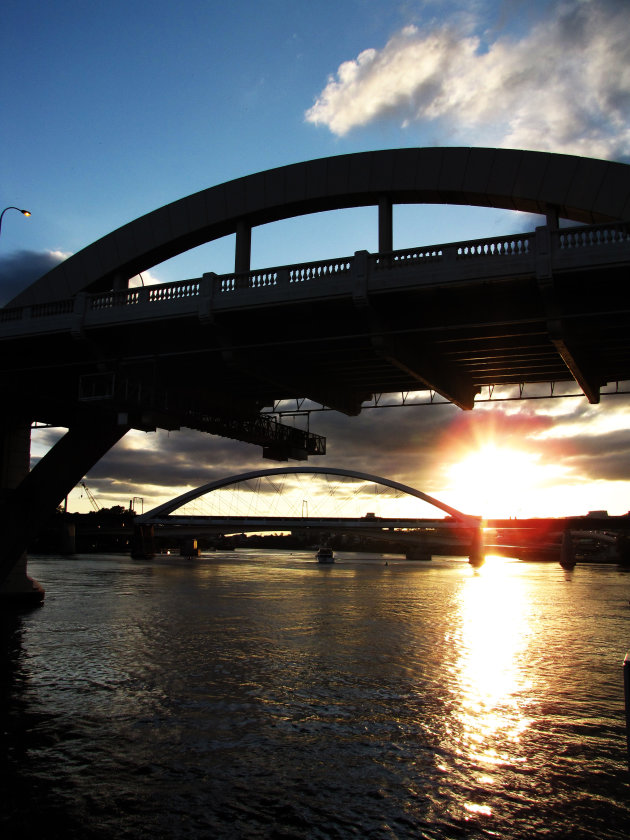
point(258, 694)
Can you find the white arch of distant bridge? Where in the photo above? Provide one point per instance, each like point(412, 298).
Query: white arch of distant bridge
point(163, 510)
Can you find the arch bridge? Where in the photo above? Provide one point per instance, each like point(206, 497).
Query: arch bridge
point(79, 349)
point(315, 507)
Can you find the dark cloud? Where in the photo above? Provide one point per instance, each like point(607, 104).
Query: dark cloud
point(21, 268)
point(411, 445)
point(601, 457)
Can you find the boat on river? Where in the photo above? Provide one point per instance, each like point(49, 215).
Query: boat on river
point(325, 554)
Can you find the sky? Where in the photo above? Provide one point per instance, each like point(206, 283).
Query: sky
point(112, 110)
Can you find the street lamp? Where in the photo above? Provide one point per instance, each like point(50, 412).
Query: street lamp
point(23, 212)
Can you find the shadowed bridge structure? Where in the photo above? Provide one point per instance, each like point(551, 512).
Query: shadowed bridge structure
point(79, 349)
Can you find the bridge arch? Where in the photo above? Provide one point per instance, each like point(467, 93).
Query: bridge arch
point(580, 189)
point(179, 501)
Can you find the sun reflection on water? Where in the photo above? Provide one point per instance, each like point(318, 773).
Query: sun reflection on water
point(490, 679)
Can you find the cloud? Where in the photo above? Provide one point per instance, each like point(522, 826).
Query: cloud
point(416, 446)
point(147, 278)
point(562, 86)
point(21, 268)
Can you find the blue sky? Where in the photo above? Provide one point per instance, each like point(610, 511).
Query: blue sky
point(111, 110)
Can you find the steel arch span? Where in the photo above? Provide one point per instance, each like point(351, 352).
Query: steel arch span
point(174, 504)
point(577, 188)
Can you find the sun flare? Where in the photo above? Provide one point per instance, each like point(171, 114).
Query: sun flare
point(496, 481)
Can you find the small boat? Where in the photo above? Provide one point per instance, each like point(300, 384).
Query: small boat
point(325, 555)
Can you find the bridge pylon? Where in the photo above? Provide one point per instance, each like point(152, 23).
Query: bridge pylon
point(28, 497)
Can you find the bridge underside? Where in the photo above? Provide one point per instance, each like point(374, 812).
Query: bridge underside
point(454, 338)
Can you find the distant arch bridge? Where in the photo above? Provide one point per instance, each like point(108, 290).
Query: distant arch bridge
point(165, 514)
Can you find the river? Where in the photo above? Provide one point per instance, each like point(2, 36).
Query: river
point(257, 694)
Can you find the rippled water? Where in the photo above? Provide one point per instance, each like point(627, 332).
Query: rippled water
point(262, 695)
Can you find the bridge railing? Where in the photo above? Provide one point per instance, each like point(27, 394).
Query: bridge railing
point(468, 258)
point(591, 236)
point(285, 274)
point(145, 294)
point(521, 244)
point(38, 310)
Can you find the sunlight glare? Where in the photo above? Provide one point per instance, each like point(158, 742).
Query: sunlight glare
point(496, 481)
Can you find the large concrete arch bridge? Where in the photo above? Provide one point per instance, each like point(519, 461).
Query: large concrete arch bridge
point(80, 350)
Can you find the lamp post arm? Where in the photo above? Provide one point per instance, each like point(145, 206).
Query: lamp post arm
point(19, 209)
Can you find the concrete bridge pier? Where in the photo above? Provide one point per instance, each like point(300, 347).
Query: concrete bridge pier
point(68, 538)
point(190, 548)
point(418, 552)
point(567, 550)
point(476, 556)
point(143, 546)
point(15, 456)
point(27, 498)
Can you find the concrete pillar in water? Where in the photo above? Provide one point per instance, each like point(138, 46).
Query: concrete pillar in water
point(477, 549)
point(68, 537)
point(190, 548)
point(567, 550)
point(29, 498)
point(17, 587)
point(418, 552)
point(143, 545)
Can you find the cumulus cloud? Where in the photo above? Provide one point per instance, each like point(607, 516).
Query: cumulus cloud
point(21, 268)
point(147, 278)
point(563, 86)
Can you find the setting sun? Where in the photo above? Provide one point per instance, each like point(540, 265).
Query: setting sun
point(497, 481)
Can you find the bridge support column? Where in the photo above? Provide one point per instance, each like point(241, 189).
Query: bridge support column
point(385, 224)
point(418, 552)
point(243, 252)
point(477, 550)
point(28, 498)
point(567, 550)
point(68, 538)
point(15, 454)
point(143, 546)
point(190, 548)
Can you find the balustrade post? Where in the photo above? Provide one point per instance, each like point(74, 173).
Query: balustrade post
point(542, 244)
point(206, 296)
point(79, 310)
point(283, 277)
point(360, 274)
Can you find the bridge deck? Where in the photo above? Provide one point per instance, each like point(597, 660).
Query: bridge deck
point(536, 307)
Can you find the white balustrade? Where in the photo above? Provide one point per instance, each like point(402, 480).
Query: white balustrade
point(471, 252)
point(592, 236)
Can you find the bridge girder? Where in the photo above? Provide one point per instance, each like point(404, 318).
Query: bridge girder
point(581, 189)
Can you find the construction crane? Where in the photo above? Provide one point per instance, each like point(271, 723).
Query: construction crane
point(88, 493)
